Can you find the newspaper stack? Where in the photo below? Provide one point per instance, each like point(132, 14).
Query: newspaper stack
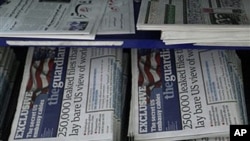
point(76, 19)
point(70, 94)
point(213, 22)
point(8, 69)
point(185, 94)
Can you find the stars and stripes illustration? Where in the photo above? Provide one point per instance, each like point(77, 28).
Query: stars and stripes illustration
point(149, 71)
point(40, 77)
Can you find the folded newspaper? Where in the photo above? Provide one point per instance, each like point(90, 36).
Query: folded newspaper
point(180, 20)
point(185, 94)
point(77, 19)
point(70, 94)
point(194, 14)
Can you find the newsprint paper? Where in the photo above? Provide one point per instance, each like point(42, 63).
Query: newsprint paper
point(185, 94)
point(193, 14)
point(69, 94)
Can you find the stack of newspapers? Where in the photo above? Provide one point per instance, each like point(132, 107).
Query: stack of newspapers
point(66, 19)
point(212, 22)
point(185, 94)
point(8, 70)
point(70, 94)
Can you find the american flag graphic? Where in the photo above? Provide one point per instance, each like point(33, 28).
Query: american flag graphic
point(150, 71)
point(40, 76)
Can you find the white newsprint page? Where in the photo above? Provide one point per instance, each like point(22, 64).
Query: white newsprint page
point(185, 94)
point(193, 14)
point(70, 94)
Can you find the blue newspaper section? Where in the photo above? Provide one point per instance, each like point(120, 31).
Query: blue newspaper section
point(42, 101)
point(158, 98)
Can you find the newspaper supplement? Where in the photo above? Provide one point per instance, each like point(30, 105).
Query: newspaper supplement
point(185, 94)
point(69, 94)
point(194, 14)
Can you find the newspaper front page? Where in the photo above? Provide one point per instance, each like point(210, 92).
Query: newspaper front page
point(185, 94)
point(157, 14)
point(35, 17)
point(69, 94)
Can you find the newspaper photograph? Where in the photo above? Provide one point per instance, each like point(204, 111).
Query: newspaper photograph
point(38, 17)
point(193, 13)
point(185, 94)
point(69, 94)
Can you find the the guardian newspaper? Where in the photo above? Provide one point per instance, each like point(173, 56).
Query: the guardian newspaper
point(69, 94)
point(185, 93)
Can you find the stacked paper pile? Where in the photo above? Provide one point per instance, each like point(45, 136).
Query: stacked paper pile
point(211, 37)
point(8, 69)
point(185, 94)
point(70, 94)
point(75, 19)
point(213, 22)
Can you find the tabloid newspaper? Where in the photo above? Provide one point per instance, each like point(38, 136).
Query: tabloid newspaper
point(193, 14)
point(185, 94)
point(69, 94)
point(77, 19)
